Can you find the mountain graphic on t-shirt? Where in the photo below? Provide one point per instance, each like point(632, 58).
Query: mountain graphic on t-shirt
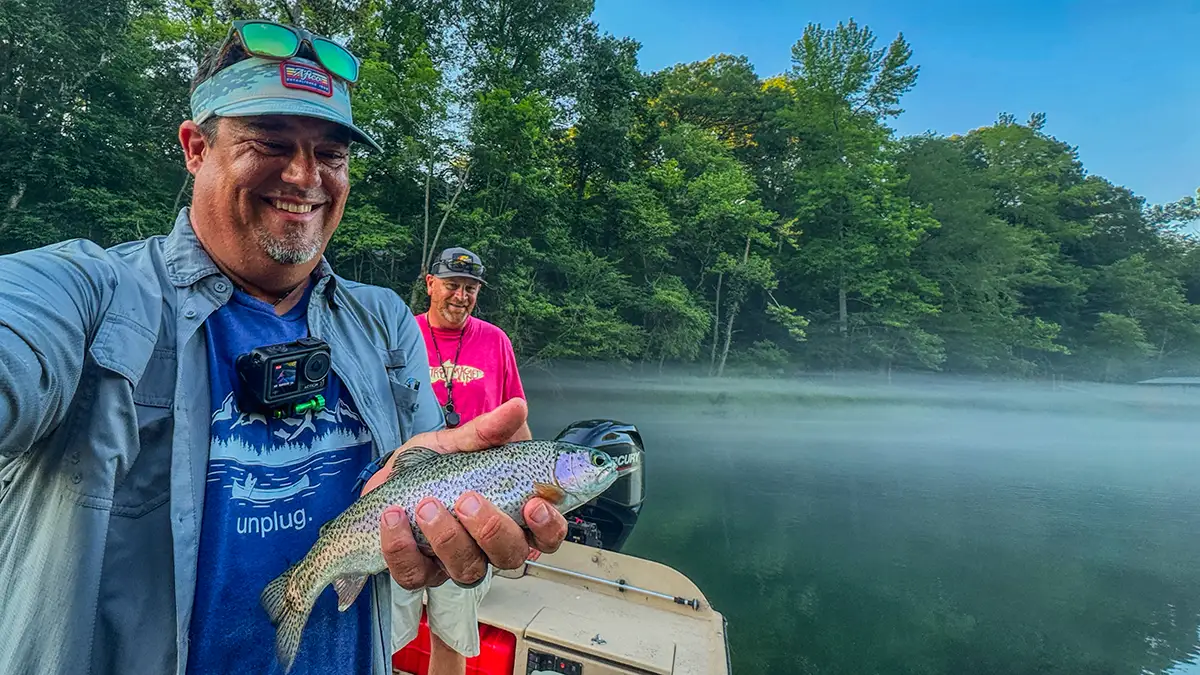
point(261, 461)
point(238, 436)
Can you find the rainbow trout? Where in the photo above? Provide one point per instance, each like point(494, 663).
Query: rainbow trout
point(349, 548)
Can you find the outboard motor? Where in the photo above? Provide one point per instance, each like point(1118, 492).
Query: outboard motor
point(606, 521)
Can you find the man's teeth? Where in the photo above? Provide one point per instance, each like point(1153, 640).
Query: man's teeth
point(294, 208)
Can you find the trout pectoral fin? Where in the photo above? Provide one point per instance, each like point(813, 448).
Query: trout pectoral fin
point(348, 589)
point(551, 493)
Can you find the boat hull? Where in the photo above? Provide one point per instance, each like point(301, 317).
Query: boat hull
point(587, 611)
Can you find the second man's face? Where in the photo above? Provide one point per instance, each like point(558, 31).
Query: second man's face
point(453, 299)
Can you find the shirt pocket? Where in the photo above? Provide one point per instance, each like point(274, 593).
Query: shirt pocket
point(147, 485)
point(405, 396)
point(136, 461)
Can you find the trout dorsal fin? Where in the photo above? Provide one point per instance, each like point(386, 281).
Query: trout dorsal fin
point(411, 458)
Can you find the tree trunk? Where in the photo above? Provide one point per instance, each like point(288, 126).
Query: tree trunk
point(425, 235)
point(712, 359)
point(424, 267)
point(462, 182)
point(733, 310)
point(739, 295)
point(13, 203)
point(446, 216)
point(843, 319)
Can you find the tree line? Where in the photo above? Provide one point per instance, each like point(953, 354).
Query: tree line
point(701, 214)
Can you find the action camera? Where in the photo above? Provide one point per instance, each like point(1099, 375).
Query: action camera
point(283, 379)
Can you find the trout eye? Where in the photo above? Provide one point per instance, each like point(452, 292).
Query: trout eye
point(597, 459)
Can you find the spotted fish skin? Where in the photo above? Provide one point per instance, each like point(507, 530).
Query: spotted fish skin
point(349, 548)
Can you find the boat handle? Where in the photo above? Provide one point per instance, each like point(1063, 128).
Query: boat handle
point(693, 603)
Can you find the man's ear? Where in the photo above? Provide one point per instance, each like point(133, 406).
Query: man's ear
point(194, 146)
point(429, 283)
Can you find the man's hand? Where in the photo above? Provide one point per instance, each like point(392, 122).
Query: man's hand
point(482, 533)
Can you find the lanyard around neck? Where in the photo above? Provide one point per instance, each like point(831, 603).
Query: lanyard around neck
point(448, 380)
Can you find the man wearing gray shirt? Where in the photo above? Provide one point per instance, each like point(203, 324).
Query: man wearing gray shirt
point(151, 481)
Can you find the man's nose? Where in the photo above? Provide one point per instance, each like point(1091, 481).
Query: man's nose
point(302, 170)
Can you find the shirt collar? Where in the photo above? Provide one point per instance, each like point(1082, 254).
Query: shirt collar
point(188, 262)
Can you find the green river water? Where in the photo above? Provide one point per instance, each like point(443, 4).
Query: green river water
point(930, 525)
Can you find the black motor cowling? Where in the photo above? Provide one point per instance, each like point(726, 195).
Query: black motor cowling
point(606, 521)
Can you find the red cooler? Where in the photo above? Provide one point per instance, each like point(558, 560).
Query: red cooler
point(497, 652)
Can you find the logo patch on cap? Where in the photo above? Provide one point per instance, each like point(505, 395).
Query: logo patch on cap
point(306, 78)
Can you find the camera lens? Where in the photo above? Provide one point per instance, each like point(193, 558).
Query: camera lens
point(316, 367)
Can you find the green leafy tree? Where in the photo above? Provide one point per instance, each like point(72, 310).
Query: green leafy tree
point(88, 105)
point(859, 230)
point(978, 262)
point(700, 213)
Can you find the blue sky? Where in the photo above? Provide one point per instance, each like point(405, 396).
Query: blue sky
point(1118, 80)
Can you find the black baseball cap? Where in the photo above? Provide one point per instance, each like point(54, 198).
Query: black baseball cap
point(458, 262)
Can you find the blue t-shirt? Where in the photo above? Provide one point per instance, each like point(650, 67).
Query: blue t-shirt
point(271, 485)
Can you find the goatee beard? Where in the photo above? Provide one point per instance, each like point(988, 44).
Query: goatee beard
point(294, 248)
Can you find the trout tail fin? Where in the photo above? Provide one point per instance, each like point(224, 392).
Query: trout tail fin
point(286, 616)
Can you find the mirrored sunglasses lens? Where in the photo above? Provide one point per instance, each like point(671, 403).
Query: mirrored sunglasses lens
point(336, 58)
point(267, 39)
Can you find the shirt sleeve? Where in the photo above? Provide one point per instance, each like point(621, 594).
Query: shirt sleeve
point(50, 301)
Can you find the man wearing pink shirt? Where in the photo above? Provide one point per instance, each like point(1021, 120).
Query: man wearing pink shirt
point(473, 370)
point(471, 362)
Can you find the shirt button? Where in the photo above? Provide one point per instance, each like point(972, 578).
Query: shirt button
point(76, 478)
point(221, 286)
point(190, 313)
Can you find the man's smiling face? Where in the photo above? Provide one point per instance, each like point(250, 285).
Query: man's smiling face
point(452, 299)
point(271, 189)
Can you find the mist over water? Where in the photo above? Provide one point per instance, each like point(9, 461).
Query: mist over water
point(925, 524)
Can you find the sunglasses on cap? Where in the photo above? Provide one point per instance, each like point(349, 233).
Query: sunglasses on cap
point(271, 40)
point(459, 266)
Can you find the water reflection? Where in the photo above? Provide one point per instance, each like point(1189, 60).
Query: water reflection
point(919, 528)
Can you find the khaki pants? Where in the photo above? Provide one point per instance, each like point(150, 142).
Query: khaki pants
point(453, 614)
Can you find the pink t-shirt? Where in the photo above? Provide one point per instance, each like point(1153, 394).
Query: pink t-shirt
point(486, 373)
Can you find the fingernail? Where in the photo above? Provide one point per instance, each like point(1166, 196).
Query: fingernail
point(427, 512)
point(391, 519)
point(540, 515)
point(469, 506)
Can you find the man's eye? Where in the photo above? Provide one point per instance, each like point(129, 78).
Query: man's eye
point(267, 146)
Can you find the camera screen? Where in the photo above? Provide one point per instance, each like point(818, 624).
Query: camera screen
point(284, 377)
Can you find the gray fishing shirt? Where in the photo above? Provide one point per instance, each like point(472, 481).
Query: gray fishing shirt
point(104, 441)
